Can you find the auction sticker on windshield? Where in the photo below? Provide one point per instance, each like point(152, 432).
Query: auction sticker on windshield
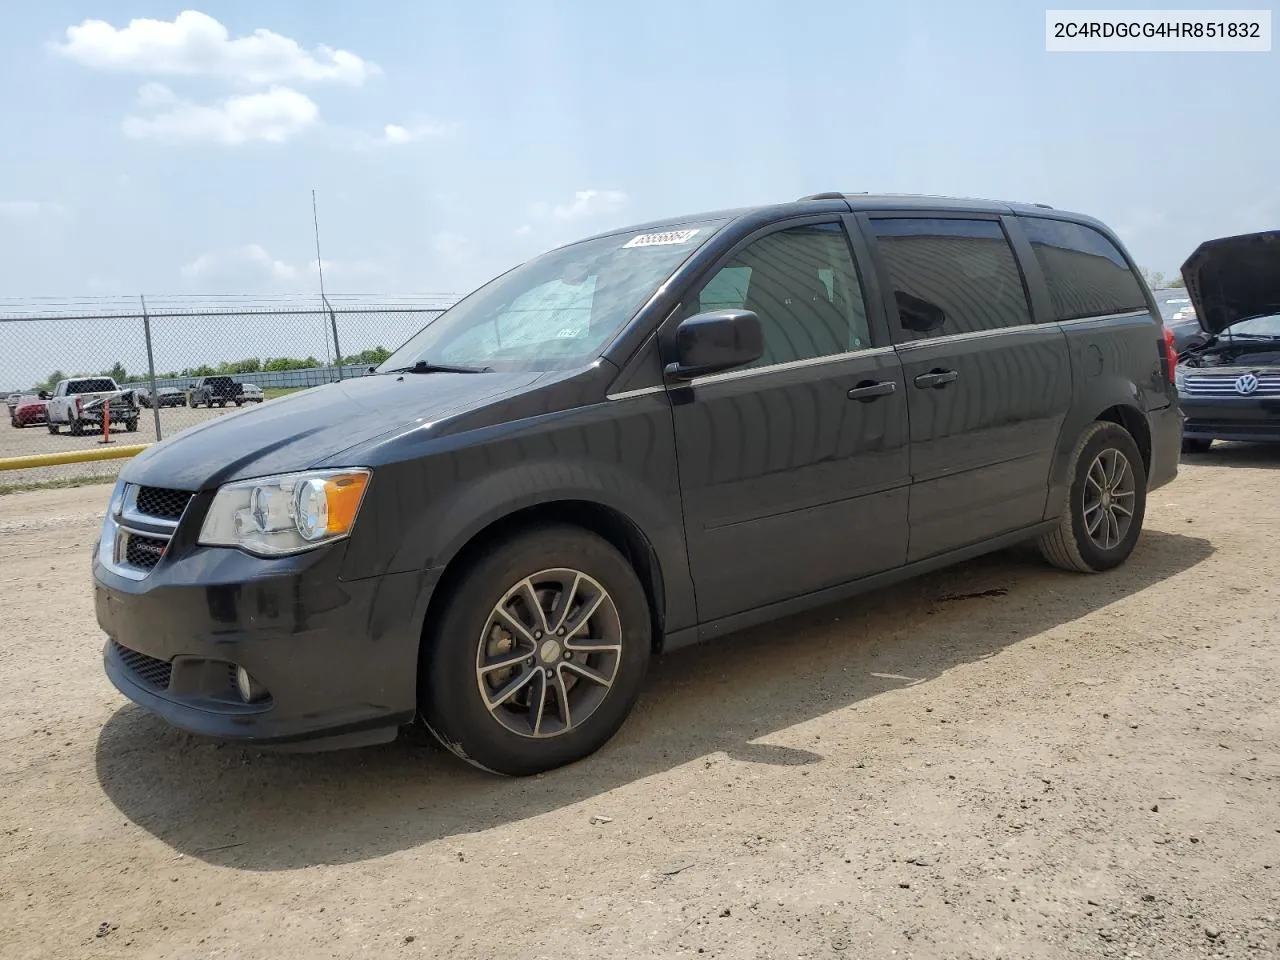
point(661, 239)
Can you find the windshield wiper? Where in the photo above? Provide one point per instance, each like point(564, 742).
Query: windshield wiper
point(423, 366)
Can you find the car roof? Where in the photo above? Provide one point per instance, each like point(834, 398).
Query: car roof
point(839, 202)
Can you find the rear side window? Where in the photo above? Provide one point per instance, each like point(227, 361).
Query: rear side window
point(951, 276)
point(1086, 274)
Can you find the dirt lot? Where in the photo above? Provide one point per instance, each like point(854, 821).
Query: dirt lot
point(1077, 767)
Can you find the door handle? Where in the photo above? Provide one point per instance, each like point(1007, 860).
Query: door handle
point(936, 378)
point(870, 389)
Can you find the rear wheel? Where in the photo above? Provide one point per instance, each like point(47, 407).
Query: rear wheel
point(1105, 506)
point(1195, 445)
point(53, 427)
point(540, 654)
point(74, 428)
point(131, 426)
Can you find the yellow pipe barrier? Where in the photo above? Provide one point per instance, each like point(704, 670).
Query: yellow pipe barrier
point(71, 456)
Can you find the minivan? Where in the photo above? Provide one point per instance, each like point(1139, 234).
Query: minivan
point(648, 438)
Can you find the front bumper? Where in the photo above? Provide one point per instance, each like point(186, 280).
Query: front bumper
point(338, 659)
point(1232, 418)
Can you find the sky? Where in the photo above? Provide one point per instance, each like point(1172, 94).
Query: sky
point(169, 150)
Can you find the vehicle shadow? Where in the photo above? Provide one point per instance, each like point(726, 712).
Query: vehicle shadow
point(256, 810)
point(1260, 456)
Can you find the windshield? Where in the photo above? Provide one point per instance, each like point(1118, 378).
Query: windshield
point(1257, 327)
point(558, 310)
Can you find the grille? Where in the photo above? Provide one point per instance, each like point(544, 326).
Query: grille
point(154, 673)
point(1209, 385)
point(144, 552)
point(159, 502)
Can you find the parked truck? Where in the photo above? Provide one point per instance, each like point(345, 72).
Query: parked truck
point(82, 403)
point(217, 391)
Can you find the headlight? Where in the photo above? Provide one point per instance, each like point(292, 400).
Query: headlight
point(276, 516)
point(1179, 377)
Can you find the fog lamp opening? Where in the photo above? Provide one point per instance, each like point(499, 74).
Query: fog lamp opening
point(250, 690)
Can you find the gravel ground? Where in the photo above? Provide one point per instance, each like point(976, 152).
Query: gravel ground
point(1000, 760)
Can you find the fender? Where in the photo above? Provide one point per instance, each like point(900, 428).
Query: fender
point(1105, 353)
point(437, 504)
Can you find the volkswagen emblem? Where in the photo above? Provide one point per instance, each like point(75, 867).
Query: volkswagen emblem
point(1246, 384)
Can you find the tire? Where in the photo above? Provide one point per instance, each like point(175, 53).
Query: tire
point(1071, 546)
point(74, 428)
point(131, 426)
point(13, 422)
point(222, 404)
point(53, 427)
point(1195, 445)
point(450, 699)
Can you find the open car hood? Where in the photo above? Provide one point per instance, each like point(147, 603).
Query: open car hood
point(1234, 278)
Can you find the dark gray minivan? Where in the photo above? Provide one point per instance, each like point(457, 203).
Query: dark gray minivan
point(644, 439)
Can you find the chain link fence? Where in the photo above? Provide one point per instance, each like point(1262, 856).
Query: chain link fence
point(170, 367)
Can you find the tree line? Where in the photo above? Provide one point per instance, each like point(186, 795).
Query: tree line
point(228, 368)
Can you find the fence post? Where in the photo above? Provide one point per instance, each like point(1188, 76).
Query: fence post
point(151, 366)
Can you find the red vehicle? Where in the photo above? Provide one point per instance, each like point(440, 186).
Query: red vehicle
point(30, 412)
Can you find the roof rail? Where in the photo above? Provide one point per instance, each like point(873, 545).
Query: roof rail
point(833, 195)
point(1044, 205)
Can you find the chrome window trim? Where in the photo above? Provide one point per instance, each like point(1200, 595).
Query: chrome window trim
point(639, 392)
point(923, 342)
point(776, 367)
point(1079, 321)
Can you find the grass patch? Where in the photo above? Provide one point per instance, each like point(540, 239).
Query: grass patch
point(271, 393)
point(60, 484)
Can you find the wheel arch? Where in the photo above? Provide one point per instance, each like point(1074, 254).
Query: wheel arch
point(1124, 412)
point(607, 522)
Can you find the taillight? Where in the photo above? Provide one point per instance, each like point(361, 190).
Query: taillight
point(79, 405)
point(1170, 356)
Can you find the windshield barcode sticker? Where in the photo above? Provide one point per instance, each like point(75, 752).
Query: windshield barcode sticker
point(660, 239)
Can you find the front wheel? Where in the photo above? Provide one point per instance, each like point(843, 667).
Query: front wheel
point(53, 428)
point(131, 426)
point(539, 655)
point(1105, 506)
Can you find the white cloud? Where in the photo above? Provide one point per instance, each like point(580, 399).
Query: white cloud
point(397, 134)
point(195, 44)
point(153, 95)
point(523, 230)
point(31, 209)
point(349, 269)
point(251, 261)
point(589, 203)
point(274, 116)
point(451, 247)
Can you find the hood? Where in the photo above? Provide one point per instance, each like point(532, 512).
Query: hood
point(301, 430)
point(1233, 279)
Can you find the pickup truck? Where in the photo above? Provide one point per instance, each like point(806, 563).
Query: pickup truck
point(79, 404)
point(217, 392)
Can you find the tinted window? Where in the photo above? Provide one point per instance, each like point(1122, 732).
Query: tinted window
point(951, 276)
point(803, 285)
point(1086, 275)
point(90, 386)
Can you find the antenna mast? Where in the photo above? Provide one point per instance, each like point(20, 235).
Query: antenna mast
point(333, 317)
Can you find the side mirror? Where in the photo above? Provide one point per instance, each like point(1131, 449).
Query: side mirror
point(43, 395)
point(714, 341)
